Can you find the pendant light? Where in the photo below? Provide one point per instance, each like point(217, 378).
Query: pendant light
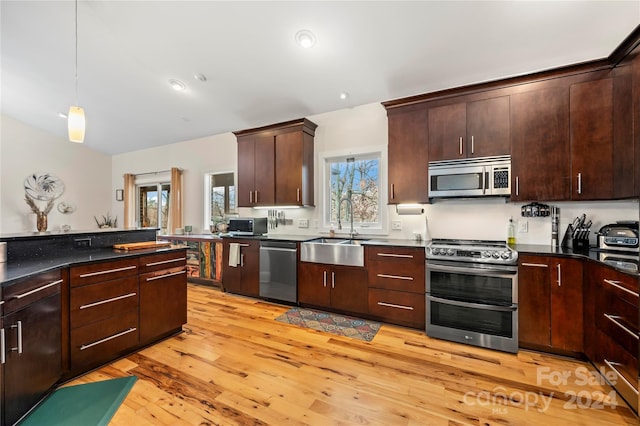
point(76, 122)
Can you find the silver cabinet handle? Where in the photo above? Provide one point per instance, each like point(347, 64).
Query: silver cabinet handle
point(162, 262)
point(611, 364)
point(616, 284)
point(579, 183)
point(391, 305)
point(472, 147)
point(106, 339)
point(460, 145)
point(250, 197)
point(333, 279)
point(535, 265)
point(324, 280)
point(559, 275)
point(393, 191)
point(395, 277)
point(102, 302)
point(107, 271)
point(407, 256)
point(18, 325)
point(3, 357)
point(257, 193)
point(517, 185)
point(241, 260)
point(44, 287)
point(298, 194)
point(614, 319)
point(166, 275)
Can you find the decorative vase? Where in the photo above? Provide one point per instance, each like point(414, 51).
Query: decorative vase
point(41, 222)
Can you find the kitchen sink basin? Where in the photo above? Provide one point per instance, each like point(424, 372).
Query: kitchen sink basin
point(334, 251)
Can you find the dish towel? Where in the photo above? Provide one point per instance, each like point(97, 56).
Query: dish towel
point(234, 254)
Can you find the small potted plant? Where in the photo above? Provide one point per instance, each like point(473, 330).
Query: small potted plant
point(107, 221)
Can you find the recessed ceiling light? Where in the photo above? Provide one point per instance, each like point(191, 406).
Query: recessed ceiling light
point(62, 115)
point(177, 85)
point(200, 77)
point(305, 39)
point(344, 95)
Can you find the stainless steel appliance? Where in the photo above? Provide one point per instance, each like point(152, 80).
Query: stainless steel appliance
point(278, 271)
point(470, 177)
point(625, 261)
point(619, 236)
point(472, 293)
point(248, 226)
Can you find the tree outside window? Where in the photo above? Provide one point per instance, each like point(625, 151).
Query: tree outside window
point(356, 178)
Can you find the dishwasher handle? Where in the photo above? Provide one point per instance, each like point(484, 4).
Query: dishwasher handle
point(278, 249)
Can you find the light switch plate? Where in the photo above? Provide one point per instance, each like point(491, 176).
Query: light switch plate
point(396, 225)
point(303, 223)
point(523, 226)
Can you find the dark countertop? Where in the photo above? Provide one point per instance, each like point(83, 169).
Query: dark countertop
point(13, 271)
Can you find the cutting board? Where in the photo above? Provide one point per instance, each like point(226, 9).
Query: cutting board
point(142, 245)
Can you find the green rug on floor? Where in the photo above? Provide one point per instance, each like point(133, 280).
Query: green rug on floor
point(83, 405)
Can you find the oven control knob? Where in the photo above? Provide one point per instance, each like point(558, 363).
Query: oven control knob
point(496, 255)
point(450, 252)
point(505, 255)
point(435, 250)
point(486, 254)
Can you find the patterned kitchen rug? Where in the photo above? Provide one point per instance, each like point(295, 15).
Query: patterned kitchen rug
point(340, 325)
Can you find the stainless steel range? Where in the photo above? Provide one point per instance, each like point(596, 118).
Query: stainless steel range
point(472, 293)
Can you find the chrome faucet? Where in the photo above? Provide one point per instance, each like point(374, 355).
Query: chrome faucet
point(352, 232)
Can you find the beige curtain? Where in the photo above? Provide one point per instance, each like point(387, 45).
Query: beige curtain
point(129, 200)
point(175, 201)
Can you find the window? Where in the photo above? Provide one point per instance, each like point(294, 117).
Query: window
point(153, 205)
point(220, 197)
point(356, 178)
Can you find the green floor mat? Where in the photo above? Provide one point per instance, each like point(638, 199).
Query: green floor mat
point(83, 405)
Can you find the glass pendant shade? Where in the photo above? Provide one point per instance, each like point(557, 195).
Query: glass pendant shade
point(76, 124)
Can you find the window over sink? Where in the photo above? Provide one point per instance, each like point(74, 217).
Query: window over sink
point(220, 197)
point(358, 178)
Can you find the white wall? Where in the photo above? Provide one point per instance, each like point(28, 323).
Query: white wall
point(85, 173)
point(357, 128)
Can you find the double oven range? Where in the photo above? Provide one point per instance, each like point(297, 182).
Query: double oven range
point(472, 293)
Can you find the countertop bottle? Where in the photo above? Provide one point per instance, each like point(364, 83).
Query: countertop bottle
point(511, 233)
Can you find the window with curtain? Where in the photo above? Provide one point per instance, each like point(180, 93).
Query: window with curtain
point(153, 205)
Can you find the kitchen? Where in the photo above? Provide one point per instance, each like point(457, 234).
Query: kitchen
point(363, 126)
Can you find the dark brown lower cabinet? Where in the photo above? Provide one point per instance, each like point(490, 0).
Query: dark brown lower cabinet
point(31, 333)
point(163, 302)
point(343, 288)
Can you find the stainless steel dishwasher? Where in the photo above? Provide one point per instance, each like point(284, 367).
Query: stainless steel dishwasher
point(278, 270)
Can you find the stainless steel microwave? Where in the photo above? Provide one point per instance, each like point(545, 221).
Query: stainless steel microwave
point(248, 226)
point(470, 177)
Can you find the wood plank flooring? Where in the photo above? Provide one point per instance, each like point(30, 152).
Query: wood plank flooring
point(235, 365)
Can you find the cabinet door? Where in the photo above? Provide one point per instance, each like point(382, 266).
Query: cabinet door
point(246, 171)
point(250, 268)
point(591, 130)
point(534, 321)
point(408, 157)
point(488, 127)
point(33, 355)
point(447, 132)
point(540, 161)
point(163, 302)
point(288, 162)
point(265, 178)
point(350, 290)
point(314, 285)
point(566, 304)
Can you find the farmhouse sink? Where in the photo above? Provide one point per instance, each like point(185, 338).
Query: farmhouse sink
point(334, 251)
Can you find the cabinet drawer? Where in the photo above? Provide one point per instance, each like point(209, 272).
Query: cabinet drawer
point(396, 255)
point(96, 302)
point(393, 276)
point(620, 367)
point(23, 293)
point(161, 261)
point(101, 341)
point(617, 318)
point(103, 271)
point(398, 307)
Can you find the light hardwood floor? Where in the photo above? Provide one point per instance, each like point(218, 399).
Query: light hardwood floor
point(235, 365)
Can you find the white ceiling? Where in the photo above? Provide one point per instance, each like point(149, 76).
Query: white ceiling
point(257, 75)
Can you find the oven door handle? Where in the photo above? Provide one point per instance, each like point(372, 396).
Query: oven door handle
point(473, 305)
point(476, 271)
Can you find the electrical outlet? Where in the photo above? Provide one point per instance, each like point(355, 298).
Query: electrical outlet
point(396, 225)
point(523, 226)
point(82, 242)
point(303, 223)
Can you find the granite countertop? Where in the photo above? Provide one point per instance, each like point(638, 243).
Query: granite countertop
point(19, 269)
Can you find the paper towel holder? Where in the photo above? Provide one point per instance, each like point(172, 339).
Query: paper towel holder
point(407, 209)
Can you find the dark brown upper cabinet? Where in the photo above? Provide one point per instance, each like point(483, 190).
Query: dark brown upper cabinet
point(275, 164)
point(408, 155)
point(469, 129)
